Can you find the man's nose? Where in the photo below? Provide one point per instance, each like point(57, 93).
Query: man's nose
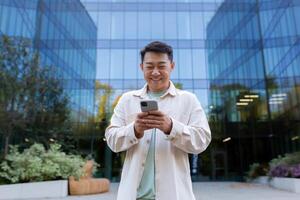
point(155, 71)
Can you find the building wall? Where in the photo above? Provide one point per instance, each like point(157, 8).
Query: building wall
point(124, 27)
point(58, 30)
point(223, 50)
point(252, 50)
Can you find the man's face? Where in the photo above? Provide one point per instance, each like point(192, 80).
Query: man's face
point(157, 68)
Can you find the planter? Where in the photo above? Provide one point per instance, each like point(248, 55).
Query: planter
point(261, 180)
point(45, 189)
point(289, 184)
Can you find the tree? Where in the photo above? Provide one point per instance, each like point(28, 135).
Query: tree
point(32, 101)
point(178, 85)
point(103, 93)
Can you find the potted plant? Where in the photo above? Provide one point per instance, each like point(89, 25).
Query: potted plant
point(285, 172)
point(258, 173)
point(37, 172)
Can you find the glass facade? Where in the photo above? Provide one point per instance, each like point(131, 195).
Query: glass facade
point(124, 27)
point(254, 80)
point(59, 35)
point(239, 57)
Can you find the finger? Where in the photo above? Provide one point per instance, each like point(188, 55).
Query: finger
point(144, 122)
point(148, 122)
point(153, 122)
point(145, 126)
point(142, 114)
point(141, 125)
point(151, 126)
point(141, 121)
point(154, 117)
point(156, 113)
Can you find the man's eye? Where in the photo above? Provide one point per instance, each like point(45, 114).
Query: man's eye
point(162, 67)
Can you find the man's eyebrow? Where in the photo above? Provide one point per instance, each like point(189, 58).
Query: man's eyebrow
point(162, 62)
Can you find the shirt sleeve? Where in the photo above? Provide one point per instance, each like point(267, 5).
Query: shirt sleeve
point(120, 136)
point(195, 136)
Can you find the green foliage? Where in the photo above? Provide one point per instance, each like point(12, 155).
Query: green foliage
point(32, 100)
point(38, 164)
point(288, 160)
point(178, 85)
point(256, 170)
point(285, 166)
point(103, 92)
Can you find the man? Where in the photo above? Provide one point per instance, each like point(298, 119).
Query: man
point(157, 143)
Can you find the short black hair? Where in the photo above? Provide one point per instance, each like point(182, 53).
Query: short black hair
point(158, 47)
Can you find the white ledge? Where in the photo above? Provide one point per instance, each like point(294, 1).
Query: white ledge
point(45, 189)
point(289, 184)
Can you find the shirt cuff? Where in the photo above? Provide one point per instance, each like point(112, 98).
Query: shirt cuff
point(177, 129)
point(131, 135)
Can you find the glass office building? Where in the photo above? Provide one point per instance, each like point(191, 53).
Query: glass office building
point(64, 35)
point(228, 53)
point(124, 27)
point(253, 61)
point(239, 57)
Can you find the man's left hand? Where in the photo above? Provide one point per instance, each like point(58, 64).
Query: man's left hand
point(157, 119)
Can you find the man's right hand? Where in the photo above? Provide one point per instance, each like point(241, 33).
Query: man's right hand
point(140, 124)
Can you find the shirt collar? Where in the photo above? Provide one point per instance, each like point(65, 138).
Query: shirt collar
point(142, 93)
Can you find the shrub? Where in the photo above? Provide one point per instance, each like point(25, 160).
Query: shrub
point(256, 170)
point(38, 164)
point(286, 166)
point(287, 159)
point(295, 171)
point(285, 171)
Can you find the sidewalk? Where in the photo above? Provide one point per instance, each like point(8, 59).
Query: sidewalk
point(212, 191)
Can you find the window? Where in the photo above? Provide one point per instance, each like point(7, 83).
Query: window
point(184, 30)
point(185, 64)
point(103, 64)
point(117, 25)
point(144, 29)
point(170, 25)
point(197, 25)
point(104, 25)
point(157, 27)
point(131, 66)
point(131, 25)
point(116, 66)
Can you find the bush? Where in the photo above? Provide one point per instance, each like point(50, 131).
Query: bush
point(287, 159)
point(38, 164)
point(257, 170)
point(286, 166)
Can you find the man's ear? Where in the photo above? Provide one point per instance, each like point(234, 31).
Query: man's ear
point(142, 66)
point(172, 65)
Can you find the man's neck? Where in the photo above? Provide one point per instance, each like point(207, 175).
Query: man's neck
point(158, 91)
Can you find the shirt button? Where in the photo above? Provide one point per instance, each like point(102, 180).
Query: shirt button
point(143, 164)
point(148, 141)
point(131, 141)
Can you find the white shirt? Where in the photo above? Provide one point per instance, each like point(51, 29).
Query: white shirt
point(190, 134)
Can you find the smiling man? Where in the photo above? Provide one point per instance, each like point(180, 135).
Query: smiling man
point(157, 143)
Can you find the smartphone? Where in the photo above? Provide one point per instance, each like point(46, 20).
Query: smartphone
point(149, 105)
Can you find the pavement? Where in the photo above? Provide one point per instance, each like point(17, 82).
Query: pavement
point(210, 191)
